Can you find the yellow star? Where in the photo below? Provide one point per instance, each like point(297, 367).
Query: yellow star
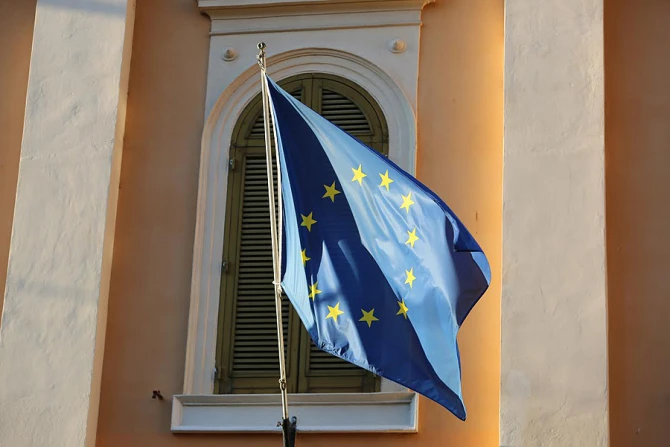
point(313, 291)
point(308, 221)
point(358, 175)
point(403, 309)
point(386, 180)
point(410, 277)
point(412, 237)
point(334, 312)
point(304, 257)
point(369, 317)
point(331, 192)
point(407, 202)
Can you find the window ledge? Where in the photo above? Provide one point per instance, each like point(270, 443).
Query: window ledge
point(316, 413)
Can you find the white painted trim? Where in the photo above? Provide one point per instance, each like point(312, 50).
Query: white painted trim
point(287, 22)
point(316, 413)
point(347, 6)
point(359, 53)
point(278, 16)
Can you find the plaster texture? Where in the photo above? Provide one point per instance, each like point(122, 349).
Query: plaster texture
point(554, 336)
point(52, 328)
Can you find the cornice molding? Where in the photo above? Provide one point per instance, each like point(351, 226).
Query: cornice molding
point(264, 16)
point(226, 7)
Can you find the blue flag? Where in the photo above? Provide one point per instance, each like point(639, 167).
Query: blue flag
point(379, 269)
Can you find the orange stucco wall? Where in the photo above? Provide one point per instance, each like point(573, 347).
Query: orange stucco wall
point(460, 137)
point(637, 137)
point(16, 37)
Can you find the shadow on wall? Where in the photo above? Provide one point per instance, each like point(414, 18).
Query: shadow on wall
point(637, 138)
point(17, 19)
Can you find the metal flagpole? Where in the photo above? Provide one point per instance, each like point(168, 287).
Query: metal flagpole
point(288, 426)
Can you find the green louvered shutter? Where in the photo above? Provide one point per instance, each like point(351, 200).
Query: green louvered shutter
point(247, 360)
point(251, 353)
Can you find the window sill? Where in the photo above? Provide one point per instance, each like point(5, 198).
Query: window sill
point(316, 413)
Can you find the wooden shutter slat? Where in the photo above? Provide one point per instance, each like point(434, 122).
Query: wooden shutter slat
point(344, 113)
point(254, 334)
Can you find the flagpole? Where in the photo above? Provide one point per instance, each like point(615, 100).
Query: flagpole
point(288, 426)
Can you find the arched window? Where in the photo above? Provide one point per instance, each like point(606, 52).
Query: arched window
point(246, 356)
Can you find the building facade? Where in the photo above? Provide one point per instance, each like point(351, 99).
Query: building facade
point(133, 252)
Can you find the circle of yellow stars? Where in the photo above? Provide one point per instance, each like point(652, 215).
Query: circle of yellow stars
point(308, 221)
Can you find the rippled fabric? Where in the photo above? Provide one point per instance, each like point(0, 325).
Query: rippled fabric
point(379, 269)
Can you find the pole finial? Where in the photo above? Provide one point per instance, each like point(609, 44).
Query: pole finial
point(261, 55)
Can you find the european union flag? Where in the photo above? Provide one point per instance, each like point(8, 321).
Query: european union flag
point(378, 268)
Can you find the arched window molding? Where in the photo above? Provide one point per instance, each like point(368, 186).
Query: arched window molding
point(206, 275)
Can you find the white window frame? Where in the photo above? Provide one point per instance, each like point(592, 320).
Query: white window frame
point(374, 43)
